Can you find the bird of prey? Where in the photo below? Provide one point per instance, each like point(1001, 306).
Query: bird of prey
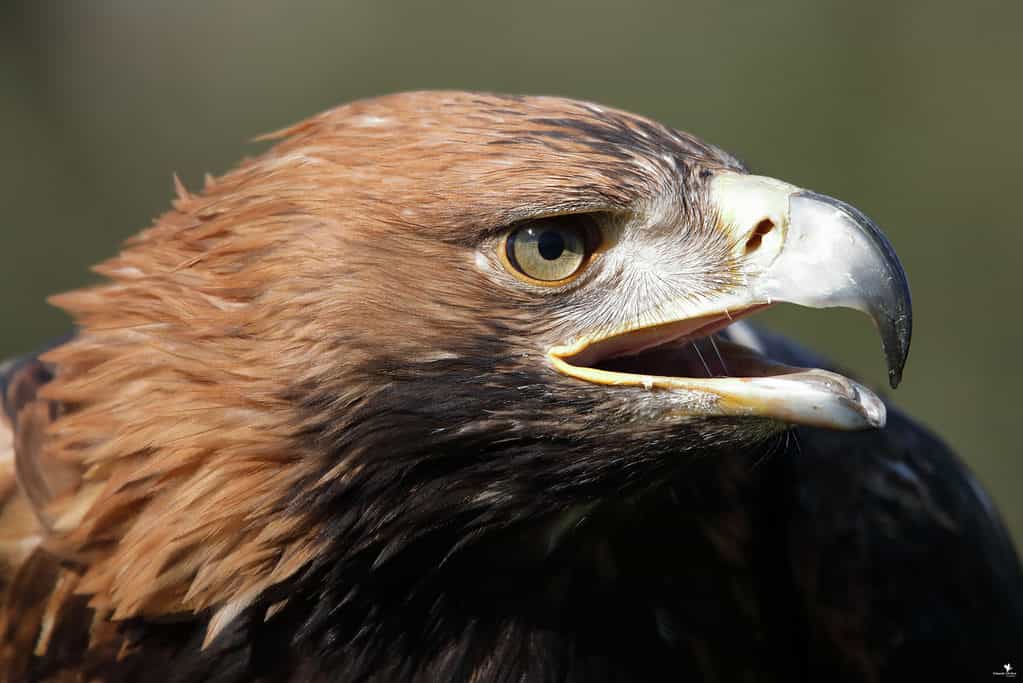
point(450, 386)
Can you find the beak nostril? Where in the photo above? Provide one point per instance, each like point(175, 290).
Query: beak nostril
point(763, 227)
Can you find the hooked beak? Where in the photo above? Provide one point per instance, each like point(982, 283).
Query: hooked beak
point(794, 246)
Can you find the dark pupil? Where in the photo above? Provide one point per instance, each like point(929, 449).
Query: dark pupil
point(551, 245)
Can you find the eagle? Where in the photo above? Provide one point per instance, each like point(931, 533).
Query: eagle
point(451, 386)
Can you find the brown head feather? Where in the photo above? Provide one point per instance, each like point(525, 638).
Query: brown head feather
point(180, 447)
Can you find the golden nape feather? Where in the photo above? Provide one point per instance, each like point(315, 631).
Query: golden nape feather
point(455, 387)
point(151, 467)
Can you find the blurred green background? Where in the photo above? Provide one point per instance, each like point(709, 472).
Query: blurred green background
point(911, 111)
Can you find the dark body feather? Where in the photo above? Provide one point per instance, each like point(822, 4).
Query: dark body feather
point(820, 556)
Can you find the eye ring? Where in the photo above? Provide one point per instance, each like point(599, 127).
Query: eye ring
point(550, 251)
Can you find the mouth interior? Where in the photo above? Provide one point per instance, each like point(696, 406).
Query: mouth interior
point(702, 356)
point(700, 348)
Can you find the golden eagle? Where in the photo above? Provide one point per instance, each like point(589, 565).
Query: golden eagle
point(450, 386)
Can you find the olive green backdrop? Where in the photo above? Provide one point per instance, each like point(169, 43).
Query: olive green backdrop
point(911, 111)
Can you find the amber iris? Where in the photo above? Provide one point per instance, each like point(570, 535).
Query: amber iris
point(549, 250)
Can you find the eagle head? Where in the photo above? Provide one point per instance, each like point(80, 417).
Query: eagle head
point(422, 322)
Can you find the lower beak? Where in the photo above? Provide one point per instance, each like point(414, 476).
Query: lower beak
point(794, 246)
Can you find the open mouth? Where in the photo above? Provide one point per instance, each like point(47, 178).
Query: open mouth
point(702, 356)
point(686, 348)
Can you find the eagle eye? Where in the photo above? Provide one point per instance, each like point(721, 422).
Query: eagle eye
point(550, 251)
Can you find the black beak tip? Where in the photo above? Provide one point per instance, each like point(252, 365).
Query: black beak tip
point(896, 344)
point(888, 300)
point(894, 377)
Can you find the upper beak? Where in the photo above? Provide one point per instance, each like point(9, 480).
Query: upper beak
point(826, 254)
point(792, 245)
